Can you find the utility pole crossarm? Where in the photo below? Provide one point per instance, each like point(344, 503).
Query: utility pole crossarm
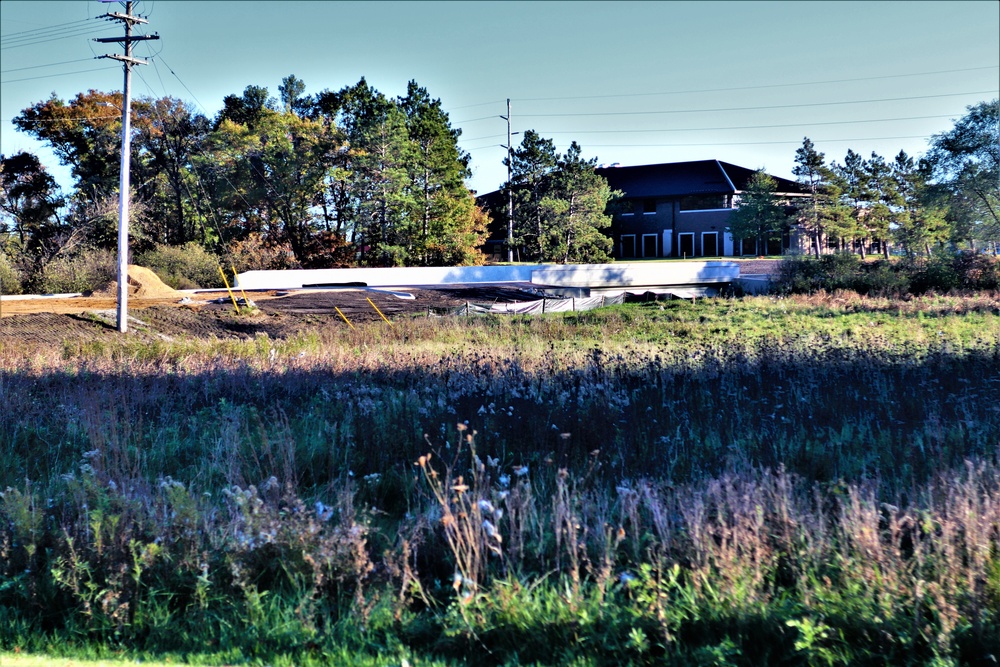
point(125, 59)
point(123, 17)
point(130, 38)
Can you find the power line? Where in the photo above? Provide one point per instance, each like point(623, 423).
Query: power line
point(752, 127)
point(64, 62)
point(470, 106)
point(777, 106)
point(87, 30)
point(752, 143)
point(61, 120)
point(14, 35)
point(185, 85)
point(725, 127)
point(194, 171)
point(731, 88)
point(734, 143)
point(492, 136)
point(47, 36)
point(760, 87)
point(50, 76)
point(472, 120)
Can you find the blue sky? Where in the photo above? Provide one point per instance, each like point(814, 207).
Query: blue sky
point(633, 83)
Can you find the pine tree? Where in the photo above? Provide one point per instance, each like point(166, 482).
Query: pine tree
point(919, 223)
point(759, 215)
point(533, 163)
point(575, 212)
point(815, 210)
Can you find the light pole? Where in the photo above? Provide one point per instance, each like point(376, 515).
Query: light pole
point(510, 189)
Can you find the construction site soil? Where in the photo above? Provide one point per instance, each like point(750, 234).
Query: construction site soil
point(278, 314)
point(157, 312)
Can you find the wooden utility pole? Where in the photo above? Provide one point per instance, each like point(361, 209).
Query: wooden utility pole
point(127, 60)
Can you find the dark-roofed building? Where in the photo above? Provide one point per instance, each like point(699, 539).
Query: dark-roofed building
point(680, 209)
point(674, 209)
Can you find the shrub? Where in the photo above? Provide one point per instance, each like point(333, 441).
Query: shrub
point(977, 271)
point(326, 250)
point(254, 253)
point(936, 274)
point(882, 278)
point(183, 267)
point(943, 272)
point(840, 270)
point(87, 270)
point(11, 281)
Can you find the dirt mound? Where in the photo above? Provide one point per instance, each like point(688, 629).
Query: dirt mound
point(142, 283)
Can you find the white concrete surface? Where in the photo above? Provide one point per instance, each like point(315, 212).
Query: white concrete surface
point(635, 274)
point(558, 275)
point(27, 297)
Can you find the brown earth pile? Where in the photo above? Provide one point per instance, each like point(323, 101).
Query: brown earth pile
point(142, 283)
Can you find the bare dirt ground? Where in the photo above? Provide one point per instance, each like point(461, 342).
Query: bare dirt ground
point(281, 314)
point(157, 312)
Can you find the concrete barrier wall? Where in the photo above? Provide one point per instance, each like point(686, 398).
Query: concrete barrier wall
point(625, 275)
point(582, 275)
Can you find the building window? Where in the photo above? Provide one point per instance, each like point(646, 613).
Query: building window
point(648, 206)
point(704, 202)
point(627, 207)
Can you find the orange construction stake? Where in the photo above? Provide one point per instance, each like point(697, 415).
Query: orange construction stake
point(231, 295)
point(344, 317)
point(236, 279)
point(379, 311)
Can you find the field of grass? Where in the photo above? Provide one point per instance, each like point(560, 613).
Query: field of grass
point(802, 480)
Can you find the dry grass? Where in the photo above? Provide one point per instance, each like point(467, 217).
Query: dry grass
point(824, 496)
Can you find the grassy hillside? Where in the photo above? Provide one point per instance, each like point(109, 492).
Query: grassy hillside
point(807, 480)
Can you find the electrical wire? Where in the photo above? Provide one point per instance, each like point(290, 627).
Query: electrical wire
point(64, 62)
point(752, 127)
point(753, 143)
point(760, 87)
point(757, 108)
point(211, 209)
point(14, 35)
point(722, 109)
point(88, 30)
point(724, 128)
point(735, 143)
point(60, 120)
point(46, 34)
point(731, 88)
point(50, 76)
point(167, 65)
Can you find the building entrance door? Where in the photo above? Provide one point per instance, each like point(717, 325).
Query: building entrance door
point(649, 245)
point(628, 245)
point(685, 244)
point(710, 244)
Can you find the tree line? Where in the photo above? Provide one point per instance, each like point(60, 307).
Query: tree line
point(346, 177)
point(340, 177)
point(354, 177)
point(951, 196)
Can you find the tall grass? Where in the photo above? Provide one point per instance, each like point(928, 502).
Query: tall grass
point(808, 481)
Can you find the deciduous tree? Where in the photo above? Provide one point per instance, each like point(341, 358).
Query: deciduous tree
point(965, 163)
